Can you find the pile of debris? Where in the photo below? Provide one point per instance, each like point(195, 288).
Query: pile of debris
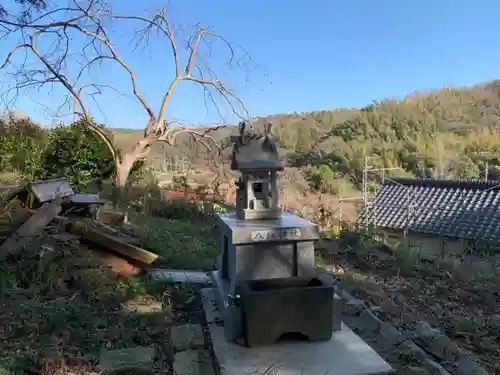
point(67, 301)
point(52, 208)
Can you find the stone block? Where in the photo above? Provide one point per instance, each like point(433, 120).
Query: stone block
point(369, 321)
point(230, 316)
point(354, 307)
point(466, 366)
point(180, 276)
point(134, 307)
point(153, 308)
point(390, 336)
point(435, 368)
point(147, 314)
point(209, 305)
point(138, 360)
point(272, 260)
point(272, 308)
point(193, 362)
point(260, 249)
point(186, 337)
point(426, 332)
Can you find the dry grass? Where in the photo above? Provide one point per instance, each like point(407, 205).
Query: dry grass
point(60, 307)
point(462, 301)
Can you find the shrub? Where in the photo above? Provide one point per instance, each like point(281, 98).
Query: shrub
point(78, 154)
point(179, 182)
point(22, 147)
point(323, 179)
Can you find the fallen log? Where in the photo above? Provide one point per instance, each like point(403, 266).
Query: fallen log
point(112, 243)
point(116, 233)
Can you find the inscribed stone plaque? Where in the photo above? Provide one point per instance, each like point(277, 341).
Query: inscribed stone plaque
point(275, 235)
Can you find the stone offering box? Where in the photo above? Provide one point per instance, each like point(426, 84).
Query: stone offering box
point(274, 308)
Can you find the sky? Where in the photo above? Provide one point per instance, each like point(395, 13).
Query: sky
point(306, 55)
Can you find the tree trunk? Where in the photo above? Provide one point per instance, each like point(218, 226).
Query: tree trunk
point(123, 169)
point(121, 178)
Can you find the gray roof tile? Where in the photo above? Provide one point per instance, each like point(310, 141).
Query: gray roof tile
point(461, 209)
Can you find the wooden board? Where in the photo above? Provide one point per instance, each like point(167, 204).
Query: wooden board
point(31, 227)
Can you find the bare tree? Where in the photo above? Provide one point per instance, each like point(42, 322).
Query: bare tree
point(61, 62)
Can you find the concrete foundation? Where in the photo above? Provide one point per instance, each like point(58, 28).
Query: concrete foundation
point(344, 354)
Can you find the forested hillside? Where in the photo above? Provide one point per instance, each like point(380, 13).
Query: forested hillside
point(448, 133)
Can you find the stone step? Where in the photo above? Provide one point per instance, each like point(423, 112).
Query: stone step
point(138, 360)
point(193, 362)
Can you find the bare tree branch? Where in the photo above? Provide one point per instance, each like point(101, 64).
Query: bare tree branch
point(162, 129)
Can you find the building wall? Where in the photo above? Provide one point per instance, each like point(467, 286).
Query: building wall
point(425, 246)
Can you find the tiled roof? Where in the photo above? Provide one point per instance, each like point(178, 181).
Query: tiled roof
point(460, 209)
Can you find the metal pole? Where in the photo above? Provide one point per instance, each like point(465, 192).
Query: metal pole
point(365, 177)
point(365, 191)
point(486, 169)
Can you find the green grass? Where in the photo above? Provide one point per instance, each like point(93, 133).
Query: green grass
point(59, 306)
point(182, 243)
point(176, 230)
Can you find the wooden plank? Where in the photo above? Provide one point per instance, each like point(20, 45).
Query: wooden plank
point(31, 227)
point(112, 243)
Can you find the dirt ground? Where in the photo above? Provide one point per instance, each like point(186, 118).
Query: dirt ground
point(459, 301)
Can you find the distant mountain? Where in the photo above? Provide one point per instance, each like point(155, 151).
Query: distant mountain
point(14, 114)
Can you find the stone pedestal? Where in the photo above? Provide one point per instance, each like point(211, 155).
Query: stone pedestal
point(259, 249)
